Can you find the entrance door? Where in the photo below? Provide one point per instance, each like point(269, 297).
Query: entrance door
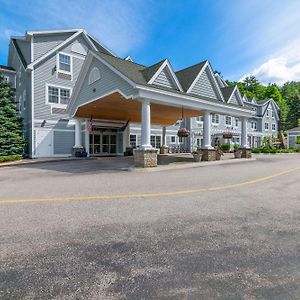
point(43, 144)
point(103, 142)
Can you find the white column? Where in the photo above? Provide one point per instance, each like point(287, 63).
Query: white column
point(146, 124)
point(87, 138)
point(164, 136)
point(207, 131)
point(77, 133)
point(244, 143)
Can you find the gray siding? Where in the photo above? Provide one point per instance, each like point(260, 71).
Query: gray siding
point(45, 74)
point(165, 79)
point(44, 43)
point(109, 82)
point(25, 47)
point(234, 99)
point(11, 78)
point(205, 86)
point(63, 142)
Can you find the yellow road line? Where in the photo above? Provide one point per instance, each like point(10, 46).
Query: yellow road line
point(162, 194)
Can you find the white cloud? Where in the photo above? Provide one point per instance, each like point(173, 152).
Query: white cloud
point(282, 67)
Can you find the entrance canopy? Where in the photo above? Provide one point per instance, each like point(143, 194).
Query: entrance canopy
point(116, 107)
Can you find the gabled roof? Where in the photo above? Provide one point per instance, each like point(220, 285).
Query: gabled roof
point(295, 129)
point(261, 102)
point(188, 75)
point(221, 82)
point(22, 59)
point(150, 71)
point(164, 65)
point(2, 67)
point(227, 92)
point(90, 40)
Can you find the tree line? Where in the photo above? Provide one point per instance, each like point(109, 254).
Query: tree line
point(287, 97)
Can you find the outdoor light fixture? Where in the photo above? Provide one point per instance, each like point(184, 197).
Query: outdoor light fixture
point(43, 123)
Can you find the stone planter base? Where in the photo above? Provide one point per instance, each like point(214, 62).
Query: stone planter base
point(77, 149)
point(246, 153)
point(238, 154)
point(163, 150)
point(145, 158)
point(208, 154)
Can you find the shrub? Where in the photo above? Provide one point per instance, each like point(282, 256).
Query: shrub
point(256, 150)
point(225, 147)
point(10, 158)
point(236, 147)
point(298, 140)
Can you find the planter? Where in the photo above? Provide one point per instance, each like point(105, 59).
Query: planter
point(238, 154)
point(183, 132)
point(197, 156)
point(218, 156)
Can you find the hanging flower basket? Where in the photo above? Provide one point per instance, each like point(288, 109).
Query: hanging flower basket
point(183, 132)
point(227, 135)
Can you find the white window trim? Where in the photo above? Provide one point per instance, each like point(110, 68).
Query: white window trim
point(255, 125)
point(171, 139)
point(273, 125)
point(63, 71)
point(236, 125)
point(57, 105)
point(215, 123)
point(229, 125)
point(266, 129)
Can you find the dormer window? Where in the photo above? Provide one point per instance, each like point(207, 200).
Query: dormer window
point(64, 63)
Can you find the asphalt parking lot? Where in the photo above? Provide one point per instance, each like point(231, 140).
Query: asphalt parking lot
point(76, 230)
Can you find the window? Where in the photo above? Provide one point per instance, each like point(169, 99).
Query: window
point(267, 112)
point(64, 96)
point(155, 141)
point(24, 99)
point(199, 119)
point(272, 114)
point(6, 78)
point(58, 95)
point(254, 125)
point(273, 127)
point(64, 63)
point(228, 120)
point(266, 126)
point(133, 140)
point(236, 120)
point(215, 119)
point(173, 139)
point(94, 75)
point(180, 139)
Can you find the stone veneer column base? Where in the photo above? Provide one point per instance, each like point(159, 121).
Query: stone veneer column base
point(208, 154)
point(77, 149)
point(145, 158)
point(246, 153)
point(163, 150)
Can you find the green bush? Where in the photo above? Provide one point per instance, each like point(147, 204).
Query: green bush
point(298, 140)
point(10, 158)
point(225, 147)
point(256, 150)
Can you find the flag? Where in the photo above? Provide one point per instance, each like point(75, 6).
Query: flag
point(122, 129)
point(90, 125)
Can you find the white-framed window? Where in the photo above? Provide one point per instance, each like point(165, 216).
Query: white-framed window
point(58, 96)
point(180, 139)
point(228, 120)
point(253, 125)
point(19, 77)
point(199, 119)
point(267, 113)
point(133, 140)
point(266, 126)
point(24, 100)
point(94, 75)
point(215, 119)
point(272, 114)
point(64, 63)
point(155, 141)
point(236, 122)
point(6, 78)
point(273, 127)
point(173, 139)
point(236, 139)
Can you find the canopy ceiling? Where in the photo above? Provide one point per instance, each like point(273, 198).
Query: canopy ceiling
point(116, 107)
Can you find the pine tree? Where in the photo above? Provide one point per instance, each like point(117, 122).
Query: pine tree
point(11, 140)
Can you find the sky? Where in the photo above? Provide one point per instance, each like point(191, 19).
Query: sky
point(238, 37)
